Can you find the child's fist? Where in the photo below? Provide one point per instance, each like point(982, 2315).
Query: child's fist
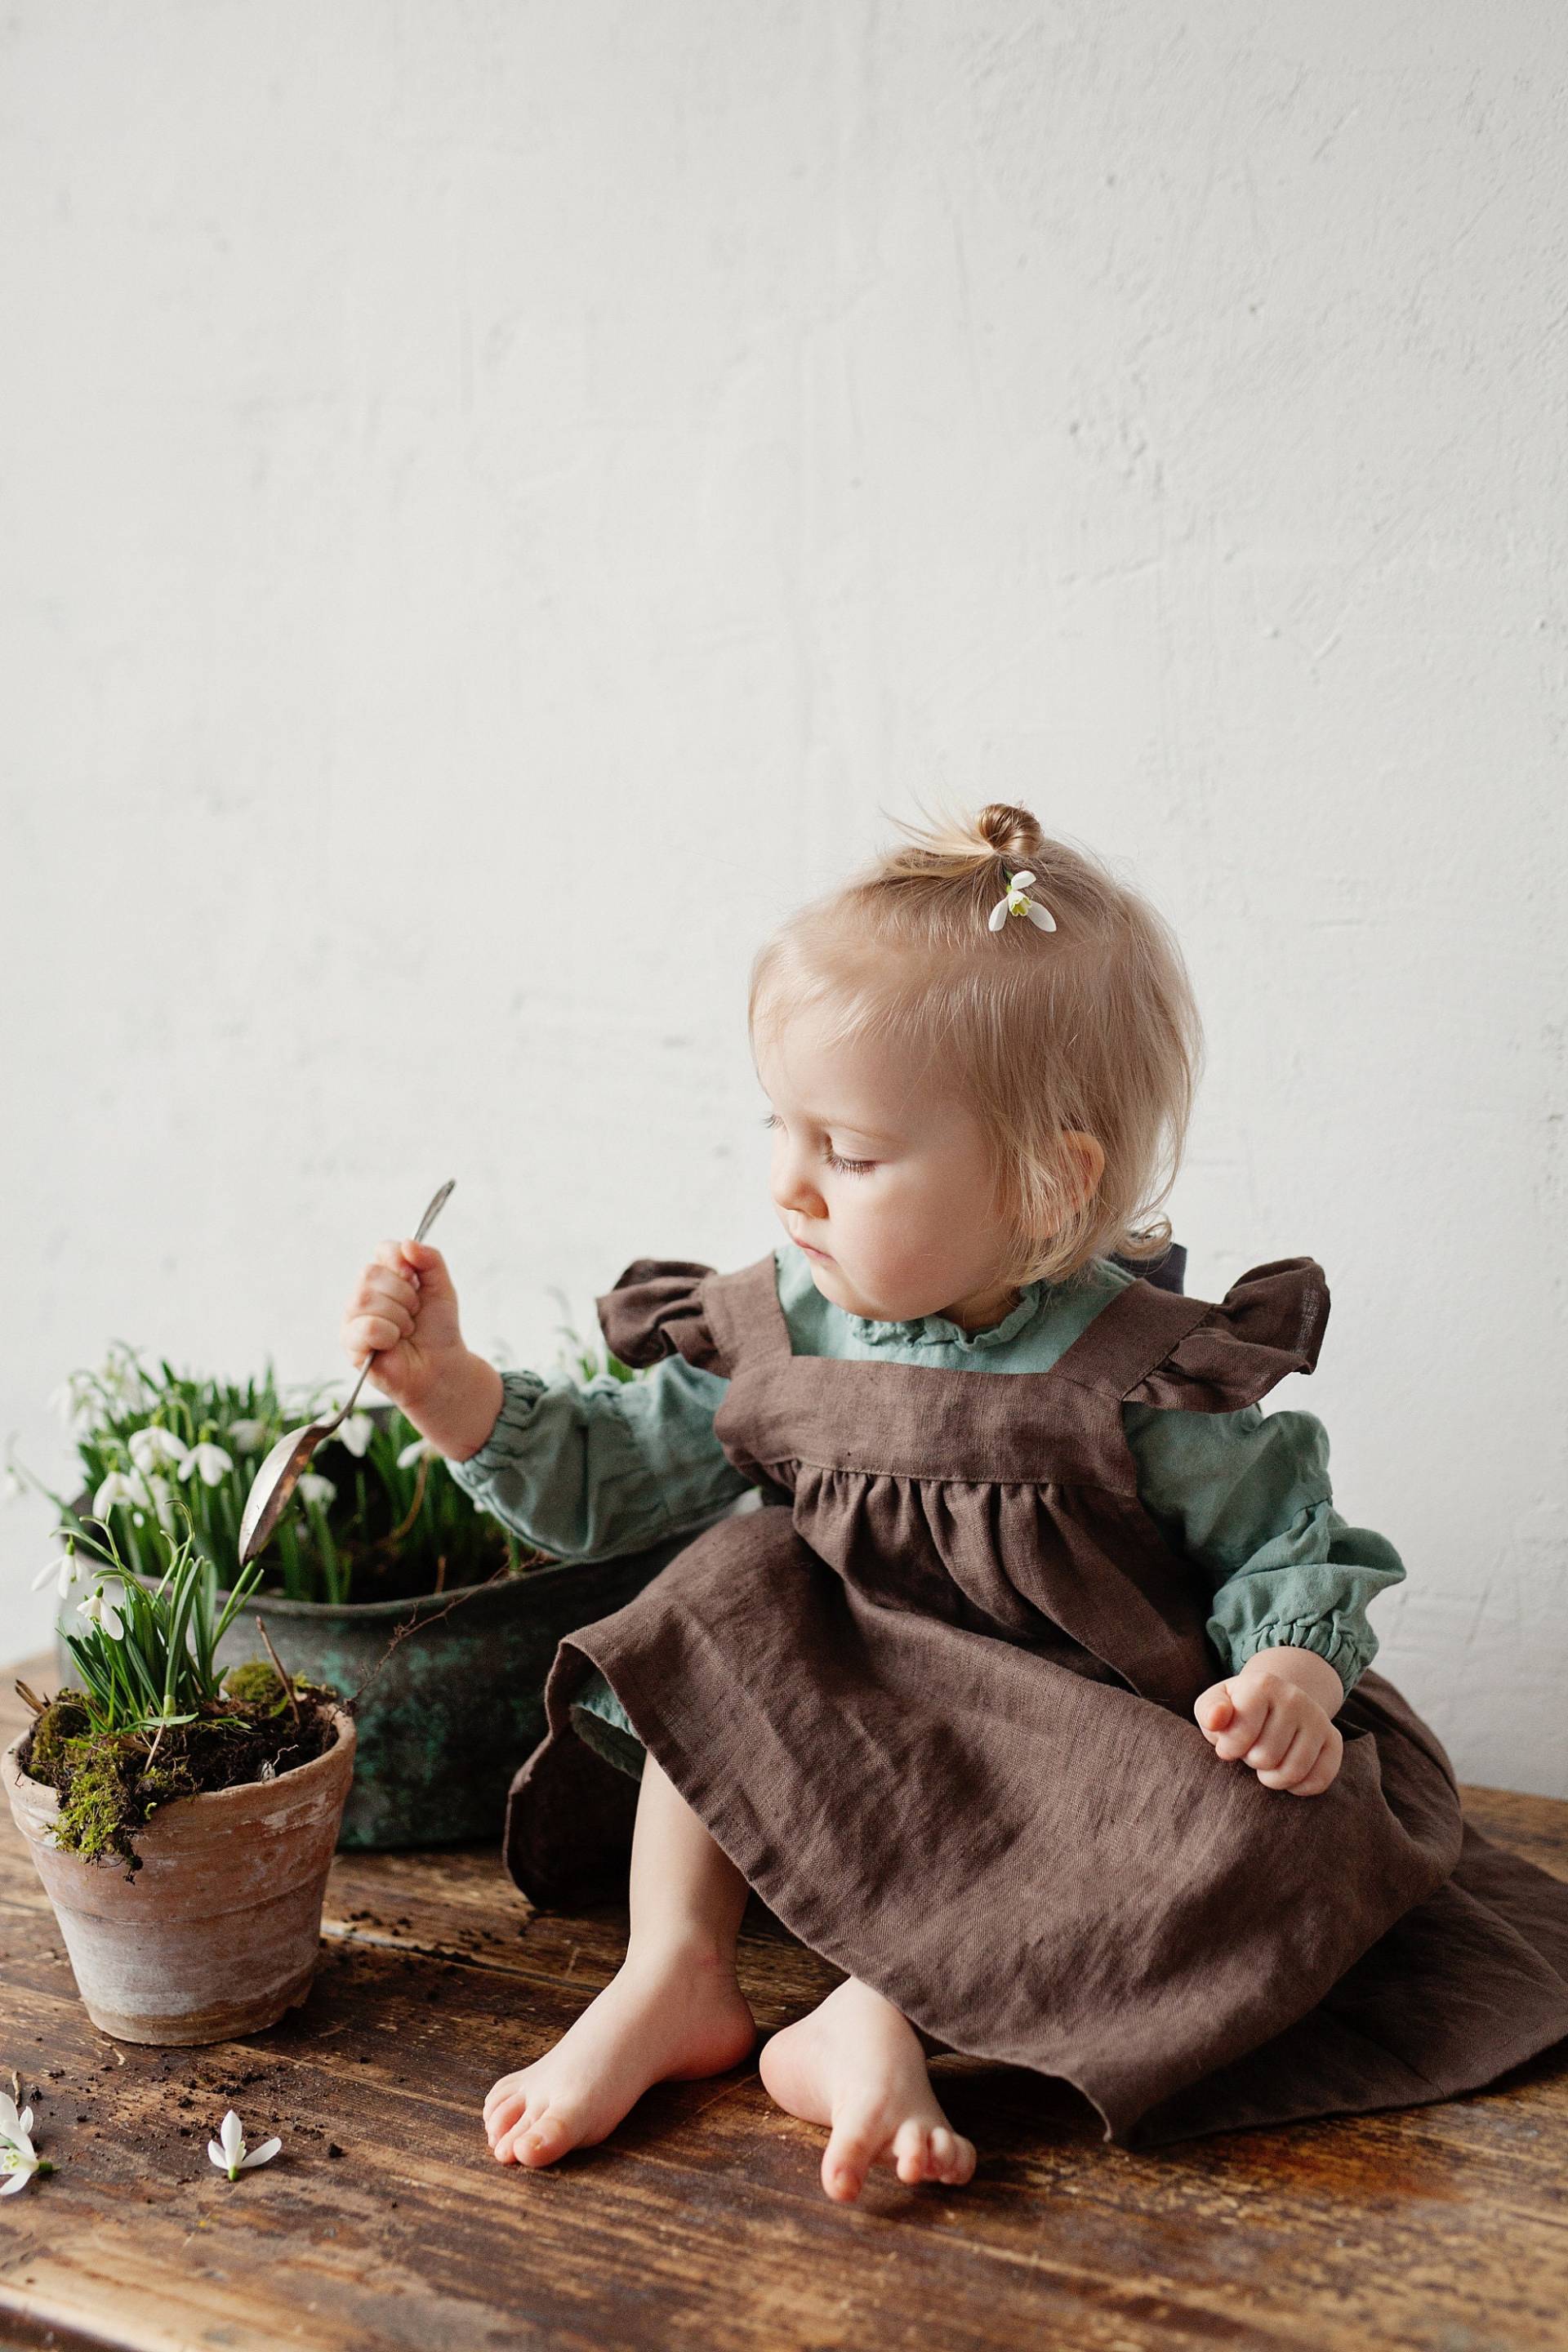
point(1269, 1716)
point(404, 1310)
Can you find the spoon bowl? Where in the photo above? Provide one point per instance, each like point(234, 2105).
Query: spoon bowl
point(273, 1486)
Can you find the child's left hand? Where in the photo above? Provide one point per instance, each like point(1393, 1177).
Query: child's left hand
point(1275, 1716)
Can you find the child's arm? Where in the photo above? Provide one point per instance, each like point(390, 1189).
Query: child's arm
point(1249, 1498)
point(581, 1473)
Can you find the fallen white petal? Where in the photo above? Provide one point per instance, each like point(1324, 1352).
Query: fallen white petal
point(262, 2155)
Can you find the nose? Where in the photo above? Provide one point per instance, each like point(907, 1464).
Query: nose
point(794, 1188)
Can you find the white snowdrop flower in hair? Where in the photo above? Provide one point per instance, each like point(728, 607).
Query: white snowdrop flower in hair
point(1016, 903)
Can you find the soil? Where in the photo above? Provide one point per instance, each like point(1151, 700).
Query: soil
point(110, 1786)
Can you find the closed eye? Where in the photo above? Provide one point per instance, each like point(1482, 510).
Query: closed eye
point(841, 1166)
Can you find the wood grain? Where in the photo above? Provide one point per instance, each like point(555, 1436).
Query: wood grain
point(700, 2224)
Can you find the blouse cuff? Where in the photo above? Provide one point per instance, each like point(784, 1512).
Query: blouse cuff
point(1350, 1652)
point(519, 1391)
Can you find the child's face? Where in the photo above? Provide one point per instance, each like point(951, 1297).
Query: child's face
point(911, 1226)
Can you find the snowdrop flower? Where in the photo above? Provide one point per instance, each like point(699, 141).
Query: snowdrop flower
point(228, 2150)
point(313, 1489)
point(120, 1487)
point(72, 1400)
point(64, 1569)
point(18, 2159)
point(98, 1609)
point(210, 1460)
point(356, 1434)
point(157, 1449)
point(1016, 903)
point(247, 1435)
point(421, 1450)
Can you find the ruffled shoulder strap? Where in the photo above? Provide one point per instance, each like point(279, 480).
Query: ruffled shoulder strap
point(655, 1310)
point(1182, 1354)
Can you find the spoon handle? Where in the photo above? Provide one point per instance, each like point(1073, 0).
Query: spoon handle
point(425, 1222)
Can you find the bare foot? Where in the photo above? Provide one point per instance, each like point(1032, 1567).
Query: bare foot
point(662, 2017)
point(855, 2064)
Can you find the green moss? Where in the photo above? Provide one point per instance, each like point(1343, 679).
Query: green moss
point(254, 1684)
point(64, 1718)
point(109, 1784)
point(97, 1804)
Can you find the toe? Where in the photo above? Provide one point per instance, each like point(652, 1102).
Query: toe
point(850, 2152)
point(543, 2140)
point(911, 2152)
point(508, 2087)
point(963, 2164)
point(501, 2116)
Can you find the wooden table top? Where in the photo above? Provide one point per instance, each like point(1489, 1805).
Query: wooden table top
point(385, 2223)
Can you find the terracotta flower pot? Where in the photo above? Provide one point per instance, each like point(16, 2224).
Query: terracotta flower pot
point(216, 1934)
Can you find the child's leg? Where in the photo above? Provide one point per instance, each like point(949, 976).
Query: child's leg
point(673, 2010)
point(856, 2064)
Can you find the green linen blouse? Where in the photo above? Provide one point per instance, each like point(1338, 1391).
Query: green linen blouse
point(587, 1472)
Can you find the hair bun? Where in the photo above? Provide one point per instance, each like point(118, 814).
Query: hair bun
point(1010, 833)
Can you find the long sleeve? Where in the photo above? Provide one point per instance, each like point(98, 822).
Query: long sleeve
point(587, 1472)
point(1248, 1497)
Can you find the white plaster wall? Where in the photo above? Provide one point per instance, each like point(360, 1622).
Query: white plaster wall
point(494, 498)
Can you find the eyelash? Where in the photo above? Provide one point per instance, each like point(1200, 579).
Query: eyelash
point(842, 1167)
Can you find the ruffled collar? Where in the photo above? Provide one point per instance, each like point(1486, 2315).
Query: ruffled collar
point(939, 1331)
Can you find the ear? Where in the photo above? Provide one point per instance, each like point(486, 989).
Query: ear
point(1084, 1165)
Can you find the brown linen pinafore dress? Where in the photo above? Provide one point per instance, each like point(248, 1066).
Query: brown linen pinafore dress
point(939, 1713)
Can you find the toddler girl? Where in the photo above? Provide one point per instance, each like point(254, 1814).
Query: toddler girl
point(1035, 1698)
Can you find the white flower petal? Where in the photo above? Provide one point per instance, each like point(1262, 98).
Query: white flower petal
point(262, 2155)
point(231, 2132)
point(25, 2120)
point(1022, 881)
point(55, 1568)
point(313, 1489)
point(247, 1435)
point(10, 2121)
point(356, 1434)
point(1041, 917)
point(997, 915)
point(216, 2155)
point(210, 1462)
point(157, 1449)
point(17, 2178)
point(116, 1488)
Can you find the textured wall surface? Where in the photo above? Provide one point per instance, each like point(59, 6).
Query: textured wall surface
point(496, 499)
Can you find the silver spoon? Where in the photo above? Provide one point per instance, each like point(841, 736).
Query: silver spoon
point(275, 1481)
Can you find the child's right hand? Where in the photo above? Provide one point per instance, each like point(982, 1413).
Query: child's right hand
point(404, 1310)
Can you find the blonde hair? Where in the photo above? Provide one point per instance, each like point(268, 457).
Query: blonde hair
point(1091, 1027)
